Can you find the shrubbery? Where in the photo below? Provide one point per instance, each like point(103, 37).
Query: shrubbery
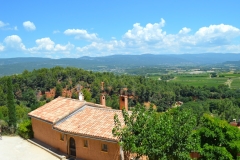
point(25, 129)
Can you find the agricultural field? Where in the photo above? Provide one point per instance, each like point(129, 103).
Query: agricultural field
point(230, 79)
point(234, 79)
point(200, 80)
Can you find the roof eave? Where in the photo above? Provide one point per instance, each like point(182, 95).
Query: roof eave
point(41, 119)
point(87, 136)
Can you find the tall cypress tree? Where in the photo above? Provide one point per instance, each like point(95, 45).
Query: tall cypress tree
point(10, 104)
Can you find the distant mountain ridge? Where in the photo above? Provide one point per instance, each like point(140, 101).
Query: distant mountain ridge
point(10, 66)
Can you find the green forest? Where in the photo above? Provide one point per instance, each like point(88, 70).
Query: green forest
point(209, 106)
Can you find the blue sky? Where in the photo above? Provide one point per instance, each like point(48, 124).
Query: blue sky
point(76, 28)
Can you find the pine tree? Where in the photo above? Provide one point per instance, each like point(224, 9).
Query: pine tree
point(10, 104)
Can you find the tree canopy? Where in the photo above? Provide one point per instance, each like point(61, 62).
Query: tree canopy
point(173, 135)
point(157, 135)
point(10, 104)
point(218, 139)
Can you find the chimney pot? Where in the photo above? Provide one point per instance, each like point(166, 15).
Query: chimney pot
point(102, 100)
point(123, 102)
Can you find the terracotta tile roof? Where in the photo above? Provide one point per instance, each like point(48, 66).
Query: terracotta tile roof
point(56, 109)
point(91, 121)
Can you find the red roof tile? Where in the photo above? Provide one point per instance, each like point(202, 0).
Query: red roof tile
point(56, 109)
point(91, 121)
point(79, 117)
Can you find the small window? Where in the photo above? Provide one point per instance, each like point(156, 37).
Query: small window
point(104, 147)
point(62, 136)
point(85, 143)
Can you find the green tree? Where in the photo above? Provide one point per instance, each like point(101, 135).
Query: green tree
point(218, 139)
point(157, 135)
point(10, 104)
point(87, 95)
point(58, 90)
point(2, 97)
point(29, 98)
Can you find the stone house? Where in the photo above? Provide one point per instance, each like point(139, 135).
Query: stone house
point(78, 128)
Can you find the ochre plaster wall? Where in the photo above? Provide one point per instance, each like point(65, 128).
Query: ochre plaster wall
point(43, 131)
point(94, 151)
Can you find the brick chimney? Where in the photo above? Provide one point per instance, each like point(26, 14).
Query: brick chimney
point(123, 102)
point(102, 100)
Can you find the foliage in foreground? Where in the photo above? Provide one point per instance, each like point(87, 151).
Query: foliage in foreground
point(218, 139)
point(174, 134)
point(158, 136)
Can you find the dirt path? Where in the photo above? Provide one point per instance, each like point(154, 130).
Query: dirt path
point(228, 82)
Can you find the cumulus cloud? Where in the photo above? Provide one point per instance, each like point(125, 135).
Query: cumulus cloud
point(14, 42)
point(216, 34)
point(47, 46)
point(29, 26)
point(1, 47)
point(184, 30)
point(102, 48)
point(140, 39)
point(81, 34)
point(151, 32)
point(44, 47)
point(151, 38)
point(2, 24)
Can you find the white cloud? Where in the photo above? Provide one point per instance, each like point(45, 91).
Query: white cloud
point(184, 30)
point(216, 34)
point(29, 26)
point(2, 24)
point(81, 34)
point(44, 47)
point(14, 42)
point(56, 31)
point(151, 38)
point(151, 32)
point(102, 48)
point(1, 47)
point(218, 30)
point(140, 39)
point(47, 46)
point(5, 26)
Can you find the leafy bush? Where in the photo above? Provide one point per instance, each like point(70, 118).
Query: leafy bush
point(4, 126)
point(25, 129)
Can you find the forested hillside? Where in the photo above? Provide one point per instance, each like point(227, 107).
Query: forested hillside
point(31, 89)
